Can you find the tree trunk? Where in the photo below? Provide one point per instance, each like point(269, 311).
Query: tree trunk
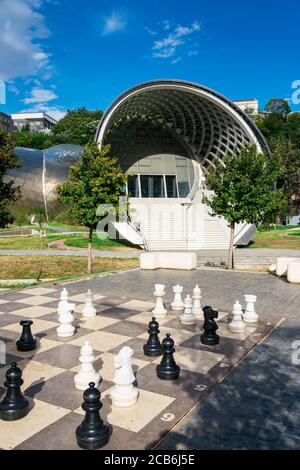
point(230, 251)
point(90, 250)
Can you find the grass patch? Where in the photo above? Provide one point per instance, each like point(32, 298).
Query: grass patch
point(82, 242)
point(28, 243)
point(277, 237)
point(59, 267)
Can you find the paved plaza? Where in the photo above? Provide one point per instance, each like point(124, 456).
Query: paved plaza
point(235, 408)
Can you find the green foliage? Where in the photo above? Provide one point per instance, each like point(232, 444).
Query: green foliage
point(289, 178)
point(40, 216)
point(21, 216)
point(275, 127)
point(77, 127)
point(279, 106)
point(29, 139)
point(244, 188)
point(9, 193)
point(96, 179)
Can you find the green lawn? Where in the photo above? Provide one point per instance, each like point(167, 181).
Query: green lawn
point(82, 242)
point(28, 243)
point(58, 267)
point(277, 237)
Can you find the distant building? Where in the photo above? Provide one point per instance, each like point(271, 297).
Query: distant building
point(6, 123)
point(38, 122)
point(251, 104)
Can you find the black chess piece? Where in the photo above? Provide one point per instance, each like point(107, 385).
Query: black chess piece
point(210, 337)
point(14, 405)
point(92, 433)
point(168, 369)
point(153, 345)
point(26, 342)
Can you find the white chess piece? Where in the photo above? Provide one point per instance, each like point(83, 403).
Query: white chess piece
point(89, 309)
point(64, 301)
point(250, 316)
point(177, 303)
point(237, 325)
point(159, 310)
point(66, 319)
point(87, 371)
point(188, 318)
point(197, 310)
point(124, 393)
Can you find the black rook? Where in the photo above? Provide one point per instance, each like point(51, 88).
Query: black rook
point(26, 342)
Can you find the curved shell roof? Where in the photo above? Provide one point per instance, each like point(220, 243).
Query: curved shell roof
point(207, 123)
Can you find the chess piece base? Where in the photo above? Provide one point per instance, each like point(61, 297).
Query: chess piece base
point(123, 396)
point(188, 322)
point(65, 334)
point(25, 347)
point(177, 308)
point(7, 413)
point(95, 438)
point(89, 313)
point(250, 318)
point(82, 383)
point(167, 374)
point(236, 328)
point(210, 340)
point(159, 313)
point(152, 351)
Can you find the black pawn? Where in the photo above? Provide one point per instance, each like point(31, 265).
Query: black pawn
point(92, 433)
point(14, 405)
point(26, 342)
point(153, 346)
point(210, 337)
point(168, 369)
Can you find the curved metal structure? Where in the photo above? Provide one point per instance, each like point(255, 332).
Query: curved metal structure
point(203, 123)
point(41, 172)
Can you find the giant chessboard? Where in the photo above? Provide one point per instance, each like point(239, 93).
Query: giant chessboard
point(48, 372)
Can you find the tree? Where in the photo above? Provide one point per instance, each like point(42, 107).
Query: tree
point(77, 127)
point(278, 106)
point(40, 216)
point(9, 192)
point(29, 139)
point(97, 179)
point(244, 190)
point(288, 155)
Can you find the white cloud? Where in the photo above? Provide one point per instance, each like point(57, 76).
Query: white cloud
point(21, 28)
point(56, 112)
point(175, 61)
point(151, 31)
point(113, 23)
point(40, 95)
point(165, 53)
point(178, 37)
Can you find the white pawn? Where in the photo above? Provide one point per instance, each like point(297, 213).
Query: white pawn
point(159, 310)
point(124, 393)
point(188, 318)
point(66, 319)
point(177, 303)
point(237, 325)
point(89, 309)
point(64, 301)
point(250, 316)
point(197, 310)
point(87, 371)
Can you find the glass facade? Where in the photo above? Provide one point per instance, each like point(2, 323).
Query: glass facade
point(161, 176)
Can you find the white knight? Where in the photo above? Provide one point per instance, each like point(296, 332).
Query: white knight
point(124, 393)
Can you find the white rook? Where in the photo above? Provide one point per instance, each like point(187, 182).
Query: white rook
point(177, 303)
point(250, 316)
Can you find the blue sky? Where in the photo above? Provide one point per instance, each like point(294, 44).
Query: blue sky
point(60, 54)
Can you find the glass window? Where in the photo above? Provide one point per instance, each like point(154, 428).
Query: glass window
point(171, 186)
point(152, 186)
point(133, 189)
